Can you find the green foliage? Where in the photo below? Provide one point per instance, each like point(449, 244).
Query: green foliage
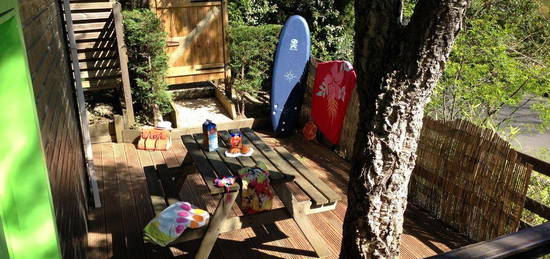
point(252, 12)
point(253, 39)
point(252, 51)
point(500, 59)
point(330, 21)
point(145, 40)
point(134, 4)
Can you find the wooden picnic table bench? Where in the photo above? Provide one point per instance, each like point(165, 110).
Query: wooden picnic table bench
point(300, 191)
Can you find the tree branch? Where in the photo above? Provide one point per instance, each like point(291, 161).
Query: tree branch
point(427, 34)
point(490, 113)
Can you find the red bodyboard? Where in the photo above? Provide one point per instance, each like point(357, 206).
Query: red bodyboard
point(334, 83)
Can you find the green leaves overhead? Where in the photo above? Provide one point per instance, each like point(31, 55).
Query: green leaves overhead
point(500, 59)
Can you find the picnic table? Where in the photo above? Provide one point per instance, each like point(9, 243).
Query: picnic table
point(300, 191)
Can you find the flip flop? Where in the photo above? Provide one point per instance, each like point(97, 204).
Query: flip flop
point(164, 142)
point(144, 136)
point(152, 140)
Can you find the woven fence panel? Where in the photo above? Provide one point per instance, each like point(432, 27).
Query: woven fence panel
point(469, 178)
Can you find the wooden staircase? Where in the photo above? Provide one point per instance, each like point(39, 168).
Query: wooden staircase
point(99, 35)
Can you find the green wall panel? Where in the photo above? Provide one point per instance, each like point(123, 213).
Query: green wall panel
point(27, 220)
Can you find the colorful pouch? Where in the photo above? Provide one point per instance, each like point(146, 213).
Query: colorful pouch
point(257, 195)
point(172, 221)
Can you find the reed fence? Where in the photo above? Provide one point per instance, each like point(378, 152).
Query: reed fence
point(469, 178)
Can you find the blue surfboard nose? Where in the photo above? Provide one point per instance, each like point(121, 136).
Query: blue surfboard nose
point(291, 58)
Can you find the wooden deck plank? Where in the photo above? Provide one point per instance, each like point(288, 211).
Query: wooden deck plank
point(155, 189)
point(157, 158)
point(134, 239)
point(141, 195)
point(179, 151)
point(170, 158)
point(112, 203)
point(139, 185)
point(98, 240)
point(296, 240)
point(153, 183)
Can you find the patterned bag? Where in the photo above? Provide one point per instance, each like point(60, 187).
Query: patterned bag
point(257, 195)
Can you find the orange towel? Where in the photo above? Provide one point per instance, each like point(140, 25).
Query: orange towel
point(150, 143)
point(143, 138)
point(164, 142)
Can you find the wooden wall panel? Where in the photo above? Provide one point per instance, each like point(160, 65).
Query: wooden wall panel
point(59, 124)
point(196, 40)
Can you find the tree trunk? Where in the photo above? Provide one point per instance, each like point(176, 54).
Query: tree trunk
point(397, 66)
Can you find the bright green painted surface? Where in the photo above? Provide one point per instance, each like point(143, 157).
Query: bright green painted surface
point(27, 221)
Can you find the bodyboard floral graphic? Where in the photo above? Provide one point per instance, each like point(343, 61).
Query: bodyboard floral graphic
point(334, 83)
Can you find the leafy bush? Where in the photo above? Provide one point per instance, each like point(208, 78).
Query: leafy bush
point(501, 59)
point(252, 50)
point(145, 40)
point(133, 4)
point(330, 22)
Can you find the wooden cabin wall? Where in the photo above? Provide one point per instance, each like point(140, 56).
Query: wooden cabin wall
point(59, 122)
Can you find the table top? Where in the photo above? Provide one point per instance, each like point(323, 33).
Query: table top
point(282, 165)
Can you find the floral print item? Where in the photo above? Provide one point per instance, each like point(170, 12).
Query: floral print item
point(172, 221)
point(257, 195)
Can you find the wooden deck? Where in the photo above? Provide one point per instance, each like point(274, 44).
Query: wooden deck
point(115, 229)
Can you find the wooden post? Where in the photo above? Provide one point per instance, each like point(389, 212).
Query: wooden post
point(216, 222)
point(119, 127)
point(123, 59)
point(227, 72)
point(85, 134)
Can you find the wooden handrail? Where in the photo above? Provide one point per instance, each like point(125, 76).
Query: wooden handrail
point(532, 242)
point(538, 165)
point(123, 61)
point(541, 167)
point(537, 208)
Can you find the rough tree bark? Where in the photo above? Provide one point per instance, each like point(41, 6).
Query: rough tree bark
point(397, 66)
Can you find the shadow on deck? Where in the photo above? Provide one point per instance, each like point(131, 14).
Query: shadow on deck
point(115, 229)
